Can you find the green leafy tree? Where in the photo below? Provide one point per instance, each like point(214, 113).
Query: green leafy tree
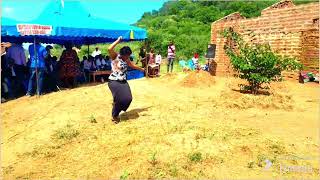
point(256, 63)
point(188, 22)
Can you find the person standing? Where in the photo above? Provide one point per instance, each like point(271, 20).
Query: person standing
point(118, 84)
point(5, 76)
point(142, 57)
point(37, 57)
point(16, 52)
point(158, 61)
point(50, 71)
point(171, 55)
point(70, 66)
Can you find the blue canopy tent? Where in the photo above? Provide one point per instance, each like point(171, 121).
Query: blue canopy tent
point(71, 23)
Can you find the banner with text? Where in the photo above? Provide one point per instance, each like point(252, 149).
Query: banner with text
point(34, 29)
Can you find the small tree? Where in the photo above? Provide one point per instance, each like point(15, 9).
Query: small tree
point(256, 63)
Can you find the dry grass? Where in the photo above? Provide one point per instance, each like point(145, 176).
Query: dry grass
point(170, 131)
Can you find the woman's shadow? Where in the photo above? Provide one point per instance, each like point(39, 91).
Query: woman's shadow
point(132, 114)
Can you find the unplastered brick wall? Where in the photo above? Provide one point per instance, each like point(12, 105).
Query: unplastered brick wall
point(291, 30)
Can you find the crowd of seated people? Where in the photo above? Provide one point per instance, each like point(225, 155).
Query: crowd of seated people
point(97, 63)
point(42, 72)
point(193, 64)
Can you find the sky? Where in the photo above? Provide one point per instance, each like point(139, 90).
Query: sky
point(125, 11)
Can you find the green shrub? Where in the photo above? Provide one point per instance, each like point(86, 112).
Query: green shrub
point(256, 63)
point(66, 133)
point(125, 175)
point(195, 157)
point(92, 119)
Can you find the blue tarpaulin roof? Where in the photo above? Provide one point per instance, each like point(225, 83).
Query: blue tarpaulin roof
point(71, 23)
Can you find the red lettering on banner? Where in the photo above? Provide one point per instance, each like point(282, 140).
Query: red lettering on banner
point(34, 29)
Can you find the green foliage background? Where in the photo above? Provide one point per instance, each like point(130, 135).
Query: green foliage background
point(188, 22)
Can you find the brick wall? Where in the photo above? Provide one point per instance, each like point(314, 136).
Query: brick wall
point(290, 30)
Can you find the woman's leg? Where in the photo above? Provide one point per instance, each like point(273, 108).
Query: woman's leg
point(114, 88)
point(171, 64)
point(122, 96)
point(126, 96)
point(168, 65)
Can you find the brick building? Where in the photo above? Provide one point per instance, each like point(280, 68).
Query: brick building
point(290, 29)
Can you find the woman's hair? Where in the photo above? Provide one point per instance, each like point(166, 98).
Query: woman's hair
point(125, 50)
point(68, 45)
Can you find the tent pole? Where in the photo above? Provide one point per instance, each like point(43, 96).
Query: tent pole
point(88, 51)
point(36, 59)
point(147, 59)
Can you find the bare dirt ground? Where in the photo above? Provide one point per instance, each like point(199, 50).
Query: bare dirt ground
point(178, 126)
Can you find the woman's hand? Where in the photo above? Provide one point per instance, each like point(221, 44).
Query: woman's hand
point(119, 39)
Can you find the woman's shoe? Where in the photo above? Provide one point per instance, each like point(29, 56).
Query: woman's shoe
point(116, 120)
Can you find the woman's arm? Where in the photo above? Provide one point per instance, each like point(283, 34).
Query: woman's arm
point(111, 51)
point(134, 66)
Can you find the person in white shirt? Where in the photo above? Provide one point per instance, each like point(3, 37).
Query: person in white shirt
point(158, 58)
point(158, 61)
point(96, 52)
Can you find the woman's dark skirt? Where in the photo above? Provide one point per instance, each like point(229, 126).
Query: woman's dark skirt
point(121, 96)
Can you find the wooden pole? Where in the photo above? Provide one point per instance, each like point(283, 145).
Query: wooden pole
point(36, 59)
point(88, 51)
